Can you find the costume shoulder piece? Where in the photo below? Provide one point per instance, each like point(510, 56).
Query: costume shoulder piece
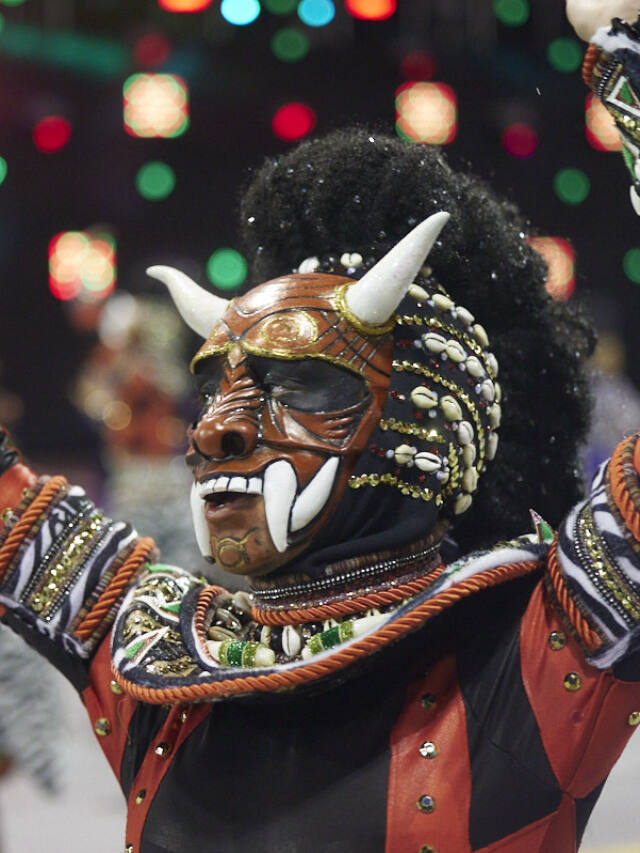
point(177, 640)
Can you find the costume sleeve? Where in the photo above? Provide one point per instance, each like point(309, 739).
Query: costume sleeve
point(64, 567)
point(612, 70)
point(594, 564)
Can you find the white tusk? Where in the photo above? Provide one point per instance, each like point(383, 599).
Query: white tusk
point(279, 490)
point(199, 309)
point(586, 16)
point(635, 200)
point(314, 496)
point(376, 296)
point(199, 522)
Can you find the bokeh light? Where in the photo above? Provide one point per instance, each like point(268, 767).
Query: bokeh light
point(631, 265)
point(12, 2)
point(316, 13)
point(3, 169)
point(519, 140)
point(155, 105)
point(418, 65)
point(280, 7)
point(240, 12)
point(512, 13)
point(426, 112)
point(155, 180)
point(371, 10)
point(571, 185)
point(600, 128)
point(151, 50)
point(293, 121)
point(564, 54)
point(560, 257)
point(290, 44)
point(184, 5)
point(226, 269)
point(81, 262)
point(51, 134)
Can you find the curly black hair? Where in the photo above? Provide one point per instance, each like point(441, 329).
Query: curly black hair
point(359, 191)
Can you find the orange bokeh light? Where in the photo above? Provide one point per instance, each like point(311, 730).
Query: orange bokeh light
point(184, 5)
point(560, 258)
point(371, 10)
point(600, 128)
point(426, 112)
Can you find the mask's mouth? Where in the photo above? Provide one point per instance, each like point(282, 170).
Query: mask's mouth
point(287, 510)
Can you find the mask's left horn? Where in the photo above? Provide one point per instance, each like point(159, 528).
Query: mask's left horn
point(199, 309)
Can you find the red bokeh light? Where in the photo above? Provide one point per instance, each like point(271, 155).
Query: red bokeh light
point(51, 134)
point(151, 50)
point(519, 140)
point(293, 121)
point(184, 5)
point(371, 10)
point(419, 65)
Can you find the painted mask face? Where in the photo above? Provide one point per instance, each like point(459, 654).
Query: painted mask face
point(290, 393)
point(292, 377)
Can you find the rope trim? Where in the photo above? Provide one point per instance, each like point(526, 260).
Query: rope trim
point(624, 485)
point(30, 516)
point(352, 653)
point(205, 600)
point(590, 58)
point(590, 639)
point(345, 608)
point(114, 590)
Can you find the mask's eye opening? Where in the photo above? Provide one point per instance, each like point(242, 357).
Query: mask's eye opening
point(309, 384)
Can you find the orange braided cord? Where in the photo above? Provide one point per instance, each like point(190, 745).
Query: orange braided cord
point(339, 660)
point(590, 58)
point(116, 587)
point(620, 488)
point(345, 608)
point(28, 519)
point(205, 599)
point(589, 637)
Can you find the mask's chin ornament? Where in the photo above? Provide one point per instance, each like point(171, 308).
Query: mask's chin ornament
point(293, 378)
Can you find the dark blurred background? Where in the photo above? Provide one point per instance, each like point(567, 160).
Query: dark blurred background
point(512, 67)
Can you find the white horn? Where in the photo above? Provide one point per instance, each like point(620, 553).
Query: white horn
point(376, 296)
point(199, 309)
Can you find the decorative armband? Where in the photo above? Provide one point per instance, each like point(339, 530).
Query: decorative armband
point(65, 566)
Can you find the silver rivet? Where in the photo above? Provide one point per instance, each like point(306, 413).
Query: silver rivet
point(428, 749)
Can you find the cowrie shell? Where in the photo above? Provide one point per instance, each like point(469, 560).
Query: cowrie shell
point(495, 415)
point(470, 480)
point(469, 455)
point(465, 432)
point(403, 454)
point(443, 302)
point(492, 445)
point(427, 461)
point(487, 391)
point(434, 342)
point(466, 317)
point(309, 265)
point(455, 351)
point(418, 293)
point(498, 390)
point(462, 504)
point(352, 259)
point(474, 367)
point(451, 408)
point(291, 641)
point(423, 397)
point(480, 335)
point(492, 363)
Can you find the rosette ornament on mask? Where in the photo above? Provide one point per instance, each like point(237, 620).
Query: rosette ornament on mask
point(313, 386)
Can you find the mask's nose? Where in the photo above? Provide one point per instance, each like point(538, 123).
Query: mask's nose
point(223, 436)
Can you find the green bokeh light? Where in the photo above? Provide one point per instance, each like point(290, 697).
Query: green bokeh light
point(280, 7)
point(631, 265)
point(512, 13)
point(3, 169)
point(571, 185)
point(226, 269)
point(12, 2)
point(290, 44)
point(564, 54)
point(155, 180)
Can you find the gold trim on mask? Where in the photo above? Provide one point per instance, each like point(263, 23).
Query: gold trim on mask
point(339, 302)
